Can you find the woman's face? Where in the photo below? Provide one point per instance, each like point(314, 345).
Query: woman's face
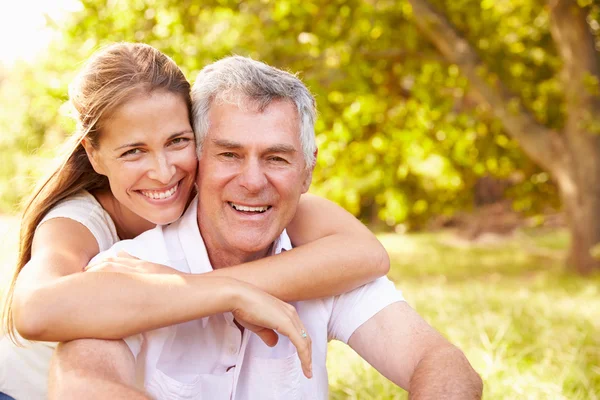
point(146, 150)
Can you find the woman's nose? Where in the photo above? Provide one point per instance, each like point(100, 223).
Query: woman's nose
point(163, 170)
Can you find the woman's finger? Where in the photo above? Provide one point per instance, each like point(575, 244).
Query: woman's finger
point(303, 344)
point(124, 254)
point(299, 326)
point(110, 267)
point(267, 335)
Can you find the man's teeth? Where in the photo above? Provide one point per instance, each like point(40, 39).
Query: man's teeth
point(239, 207)
point(157, 195)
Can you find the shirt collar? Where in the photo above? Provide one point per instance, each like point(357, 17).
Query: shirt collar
point(192, 242)
point(281, 244)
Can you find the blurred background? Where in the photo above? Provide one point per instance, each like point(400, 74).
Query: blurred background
point(465, 133)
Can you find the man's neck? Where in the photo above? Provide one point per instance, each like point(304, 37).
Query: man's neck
point(223, 258)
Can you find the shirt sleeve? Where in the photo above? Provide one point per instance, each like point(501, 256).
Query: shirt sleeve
point(351, 310)
point(84, 209)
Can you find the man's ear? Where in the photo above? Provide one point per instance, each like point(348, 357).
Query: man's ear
point(307, 180)
point(309, 173)
point(92, 155)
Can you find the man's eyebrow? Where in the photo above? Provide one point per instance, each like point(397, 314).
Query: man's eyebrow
point(137, 144)
point(281, 148)
point(276, 148)
point(227, 144)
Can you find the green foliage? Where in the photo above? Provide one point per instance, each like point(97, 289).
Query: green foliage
point(401, 137)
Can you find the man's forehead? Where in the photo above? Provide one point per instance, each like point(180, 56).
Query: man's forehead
point(252, 108)
point(245, 102)
point(231, 126)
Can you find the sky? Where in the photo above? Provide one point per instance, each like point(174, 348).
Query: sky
point(23, 32)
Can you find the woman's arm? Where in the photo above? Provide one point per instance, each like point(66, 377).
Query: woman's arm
point(336, 253)
point(55, 300)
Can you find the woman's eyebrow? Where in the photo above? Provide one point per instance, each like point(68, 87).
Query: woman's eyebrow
point(129, 145)
point(135, 144)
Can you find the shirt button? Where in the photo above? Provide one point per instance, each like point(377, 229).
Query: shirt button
point(233, 350)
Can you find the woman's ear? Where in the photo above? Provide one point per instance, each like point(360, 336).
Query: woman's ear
point(93, 156)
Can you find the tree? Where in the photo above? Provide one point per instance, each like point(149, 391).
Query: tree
point(400, 139)
point(570, 154)
point(405, 129)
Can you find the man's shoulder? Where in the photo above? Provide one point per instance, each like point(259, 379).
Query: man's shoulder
point(352, 309)
point(148, 246)
point(381, 287)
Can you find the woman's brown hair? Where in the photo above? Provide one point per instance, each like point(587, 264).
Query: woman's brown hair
point(111, 77)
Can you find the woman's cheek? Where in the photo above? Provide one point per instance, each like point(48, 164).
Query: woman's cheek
point(190, 160)
point(134, 170)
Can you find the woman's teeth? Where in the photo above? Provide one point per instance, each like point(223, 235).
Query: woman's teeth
point(156, 195)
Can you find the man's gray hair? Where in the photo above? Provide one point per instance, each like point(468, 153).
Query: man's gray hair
point(238, 79)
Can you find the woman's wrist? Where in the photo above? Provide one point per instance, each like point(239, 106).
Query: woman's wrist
point(229, 293)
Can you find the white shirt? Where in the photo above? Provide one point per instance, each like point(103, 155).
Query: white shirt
point(211, 358)
point(24, 370)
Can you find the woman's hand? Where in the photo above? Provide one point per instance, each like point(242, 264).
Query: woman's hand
point(253, 308)
point(125, 262)
point(266, 316)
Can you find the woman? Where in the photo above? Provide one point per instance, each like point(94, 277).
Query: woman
point(131, 166)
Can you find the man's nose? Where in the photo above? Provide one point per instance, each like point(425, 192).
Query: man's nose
point(163, 170)
point(252, 176)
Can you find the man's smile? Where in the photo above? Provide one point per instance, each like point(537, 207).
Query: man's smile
point(257, 209)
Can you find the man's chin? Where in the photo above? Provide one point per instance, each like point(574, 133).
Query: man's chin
point(252, 247)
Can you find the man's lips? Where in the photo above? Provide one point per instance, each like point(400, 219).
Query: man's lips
point(256, 209)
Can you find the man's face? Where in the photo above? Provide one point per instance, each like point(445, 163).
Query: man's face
point(251, 175)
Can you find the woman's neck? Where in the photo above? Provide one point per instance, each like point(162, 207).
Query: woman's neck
point(127, 223)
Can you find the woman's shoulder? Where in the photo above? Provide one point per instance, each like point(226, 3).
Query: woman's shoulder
point(84, 208)
point(82, 202)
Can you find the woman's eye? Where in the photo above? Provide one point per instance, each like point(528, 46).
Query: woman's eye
point(131, 152)
point(180, 140)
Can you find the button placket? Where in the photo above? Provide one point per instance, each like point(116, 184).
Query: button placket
point(231, 343)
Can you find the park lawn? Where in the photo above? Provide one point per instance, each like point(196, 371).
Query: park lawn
point(530, 330)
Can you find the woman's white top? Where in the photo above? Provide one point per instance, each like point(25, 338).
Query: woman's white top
point(24, 370)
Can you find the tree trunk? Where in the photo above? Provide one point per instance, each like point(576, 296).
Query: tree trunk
point(572, 156)
point(580, 191)
point(581, 205)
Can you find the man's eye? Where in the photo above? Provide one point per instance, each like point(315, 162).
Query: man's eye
point(278, 159)
point(131, 152)
point(228, 155)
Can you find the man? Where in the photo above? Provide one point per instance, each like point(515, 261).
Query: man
point(255, 127)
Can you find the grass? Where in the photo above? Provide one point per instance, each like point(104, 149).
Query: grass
point(529, 329)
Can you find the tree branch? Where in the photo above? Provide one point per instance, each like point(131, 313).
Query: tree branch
point(575, 44)
point(539, 142)
point(397, 55)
